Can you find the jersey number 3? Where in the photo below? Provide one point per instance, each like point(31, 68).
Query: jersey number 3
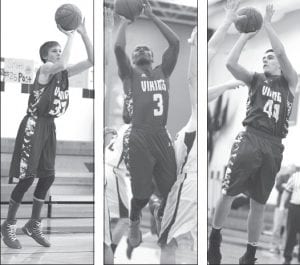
point(158, 111)
point(272, 109)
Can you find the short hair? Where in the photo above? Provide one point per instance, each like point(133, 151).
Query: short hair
point(269, 50)
point(44, 49)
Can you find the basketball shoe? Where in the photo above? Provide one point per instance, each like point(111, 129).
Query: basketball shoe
point(33, 228)
point(8, 233)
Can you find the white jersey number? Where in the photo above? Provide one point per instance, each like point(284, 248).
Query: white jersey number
point(160, 106)
point(272, 109)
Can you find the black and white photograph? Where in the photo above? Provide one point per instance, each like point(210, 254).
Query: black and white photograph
point(253, 120)
point(47, 132)
point(150, 132)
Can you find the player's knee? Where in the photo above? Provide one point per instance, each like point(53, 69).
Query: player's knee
point(21, 188)
point(43, 186)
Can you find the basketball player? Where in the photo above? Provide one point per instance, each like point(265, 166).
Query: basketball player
point(148, 148)
point(117, 190)
point(35, 147)
point(178, 235)
point(256, 154)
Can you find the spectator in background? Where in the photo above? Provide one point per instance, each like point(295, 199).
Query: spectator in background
point(279, 218)
point(292, 188)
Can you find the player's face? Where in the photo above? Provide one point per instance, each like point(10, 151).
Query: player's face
point(270, 63)
point(142, 55)
point(54, 54)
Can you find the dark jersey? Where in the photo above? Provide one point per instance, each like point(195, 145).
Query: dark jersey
point(149, 97)
point(269, 105)
point(50, 100)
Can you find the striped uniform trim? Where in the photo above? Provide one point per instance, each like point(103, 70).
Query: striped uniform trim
point(293, 186)
point(164, 236)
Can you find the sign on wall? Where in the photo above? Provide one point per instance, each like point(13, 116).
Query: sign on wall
point(18, 71)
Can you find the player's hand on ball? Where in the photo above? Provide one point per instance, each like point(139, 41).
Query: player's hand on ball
point(147, 9)
point(231, 8)
point(269, 13)
point(68, 33)
point(81, 28)
point(249, 35)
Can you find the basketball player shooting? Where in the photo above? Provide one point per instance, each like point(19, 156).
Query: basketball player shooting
point(35, 146)
point(148, 149)
point(256, 154)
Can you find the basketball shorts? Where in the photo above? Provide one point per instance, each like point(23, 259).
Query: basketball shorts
point(254, 162)
point(118, 192)
point(35, 148)
point(150, 158)
point(180, 215)
point(107, 228)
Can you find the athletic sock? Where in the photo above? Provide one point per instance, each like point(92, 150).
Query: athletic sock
point(215, 233)
point(36, 208)
point(251, 250)
point(12, 210)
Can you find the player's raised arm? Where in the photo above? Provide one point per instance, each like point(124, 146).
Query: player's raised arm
point(218, 37)
point(286, 67)
point(232, 64)
point(89, 62)
point(170, 56)
point(123, 61)
point(50, 68)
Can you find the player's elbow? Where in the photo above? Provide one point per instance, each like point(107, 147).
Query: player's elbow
point(230, 65)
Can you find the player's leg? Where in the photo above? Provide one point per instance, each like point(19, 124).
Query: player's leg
point(244, 162)
point(139, 163)
point(185, 252)
point(45, 173)
point(255, 225)
point(291, 234)
point(33, 227)
point(276, 231)
point(168, 255)
point(165, 170)
point(108, 255)
point(8, 228)
point(118, 232)
point(222, 210)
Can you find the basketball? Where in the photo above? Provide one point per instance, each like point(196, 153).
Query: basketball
point(251, 23)
point(129, 9)
point(68, 16)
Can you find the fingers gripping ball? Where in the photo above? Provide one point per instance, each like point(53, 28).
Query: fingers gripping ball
point(252, 22)
point(68, 16)
point(129, 9)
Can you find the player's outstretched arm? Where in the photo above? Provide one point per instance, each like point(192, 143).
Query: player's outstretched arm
point(216, 91)
point(89, 62)
point(50, 68)
point(171, 54)
point(123, 61)
point(286, 67)
point(238, 71)
point(218, 37)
